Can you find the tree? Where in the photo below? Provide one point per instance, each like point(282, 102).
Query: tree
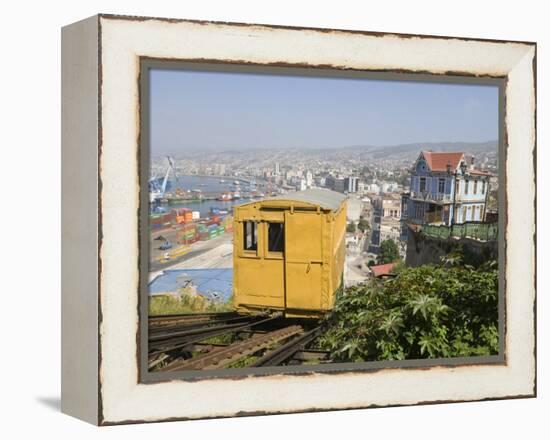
point(424, 312)
point(350, 227)
point(363, 224)
point(389, 252)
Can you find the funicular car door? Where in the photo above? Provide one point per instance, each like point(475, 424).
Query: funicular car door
point(303, 259)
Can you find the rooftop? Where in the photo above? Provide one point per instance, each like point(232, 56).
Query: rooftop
point(325, 198)
point(382, 270)
point(439, 161)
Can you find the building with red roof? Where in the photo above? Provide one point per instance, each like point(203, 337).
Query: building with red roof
point(446, 189)
point(382, 270)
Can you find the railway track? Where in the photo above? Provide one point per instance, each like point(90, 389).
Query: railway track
point(171, 320)
point(210, 341)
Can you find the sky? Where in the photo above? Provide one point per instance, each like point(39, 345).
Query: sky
point(195, 110)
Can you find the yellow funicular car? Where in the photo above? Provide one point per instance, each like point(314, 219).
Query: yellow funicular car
point(289, 253)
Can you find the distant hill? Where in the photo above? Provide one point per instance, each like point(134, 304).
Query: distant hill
point(403, 151)
point(439, 146)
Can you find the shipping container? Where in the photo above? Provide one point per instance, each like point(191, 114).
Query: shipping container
point(188, 227)
point(183, 215)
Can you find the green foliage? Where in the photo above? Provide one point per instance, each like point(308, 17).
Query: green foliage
point(351, 227)
point(424, 312)
point(363, 225)
point(244, 362)
point(389, 252)
point(398, 267)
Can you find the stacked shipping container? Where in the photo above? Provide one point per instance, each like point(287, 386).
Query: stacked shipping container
point(190, 227)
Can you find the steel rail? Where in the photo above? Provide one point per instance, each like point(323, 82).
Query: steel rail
point(189, 332)
point(224, 356)
point(191, 315)
point(286, 351)
point(171, 330)
point(160, 321)
point(181, 342)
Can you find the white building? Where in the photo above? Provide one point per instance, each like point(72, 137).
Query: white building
point(309, 179)
point(350, 184)
point(391, 208)
point(373, 188)
point(355, 207)
point(390, 229)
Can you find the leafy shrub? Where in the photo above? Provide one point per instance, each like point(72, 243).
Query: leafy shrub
point(389, 252)
point(363, 225)
point(424, 312)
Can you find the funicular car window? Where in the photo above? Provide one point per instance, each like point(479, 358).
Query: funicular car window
point(250, 236)
point(276, 237)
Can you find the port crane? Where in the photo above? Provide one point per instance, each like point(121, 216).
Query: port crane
point(157, 188)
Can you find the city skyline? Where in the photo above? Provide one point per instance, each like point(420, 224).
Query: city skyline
point(260, 111)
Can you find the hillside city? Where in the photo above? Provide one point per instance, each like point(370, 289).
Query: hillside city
point(377, 182)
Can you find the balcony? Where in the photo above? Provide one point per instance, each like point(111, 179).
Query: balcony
point(425, 196)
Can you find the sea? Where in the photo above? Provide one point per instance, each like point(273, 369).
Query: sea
point(207, 184)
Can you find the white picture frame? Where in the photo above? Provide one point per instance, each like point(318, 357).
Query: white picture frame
point(101, 381)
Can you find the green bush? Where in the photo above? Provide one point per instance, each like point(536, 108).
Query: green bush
point(389, 252)
point(363, 225)
point(424, 312)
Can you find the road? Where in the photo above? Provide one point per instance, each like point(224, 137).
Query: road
point(197, 249)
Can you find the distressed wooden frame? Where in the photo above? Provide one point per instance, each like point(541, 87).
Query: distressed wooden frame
point(101, 380)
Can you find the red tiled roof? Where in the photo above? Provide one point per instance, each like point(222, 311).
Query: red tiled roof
point(382, 269)
point(439, 161)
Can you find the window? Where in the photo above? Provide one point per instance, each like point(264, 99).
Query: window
point(466, 185)
point(475, 187)
point(483, 187)
point(422, 184)
point(276, 237)
point(417, 211)
point(250, 236)
point(441, 186)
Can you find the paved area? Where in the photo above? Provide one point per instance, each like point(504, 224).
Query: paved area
point(218, 257)
point(353, 274)
point(208, 268)
point(214, 284)
point(192, 251)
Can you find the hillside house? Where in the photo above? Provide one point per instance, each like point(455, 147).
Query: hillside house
point(446, 189)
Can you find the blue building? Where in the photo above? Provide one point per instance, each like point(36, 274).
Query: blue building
point(445, 189)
